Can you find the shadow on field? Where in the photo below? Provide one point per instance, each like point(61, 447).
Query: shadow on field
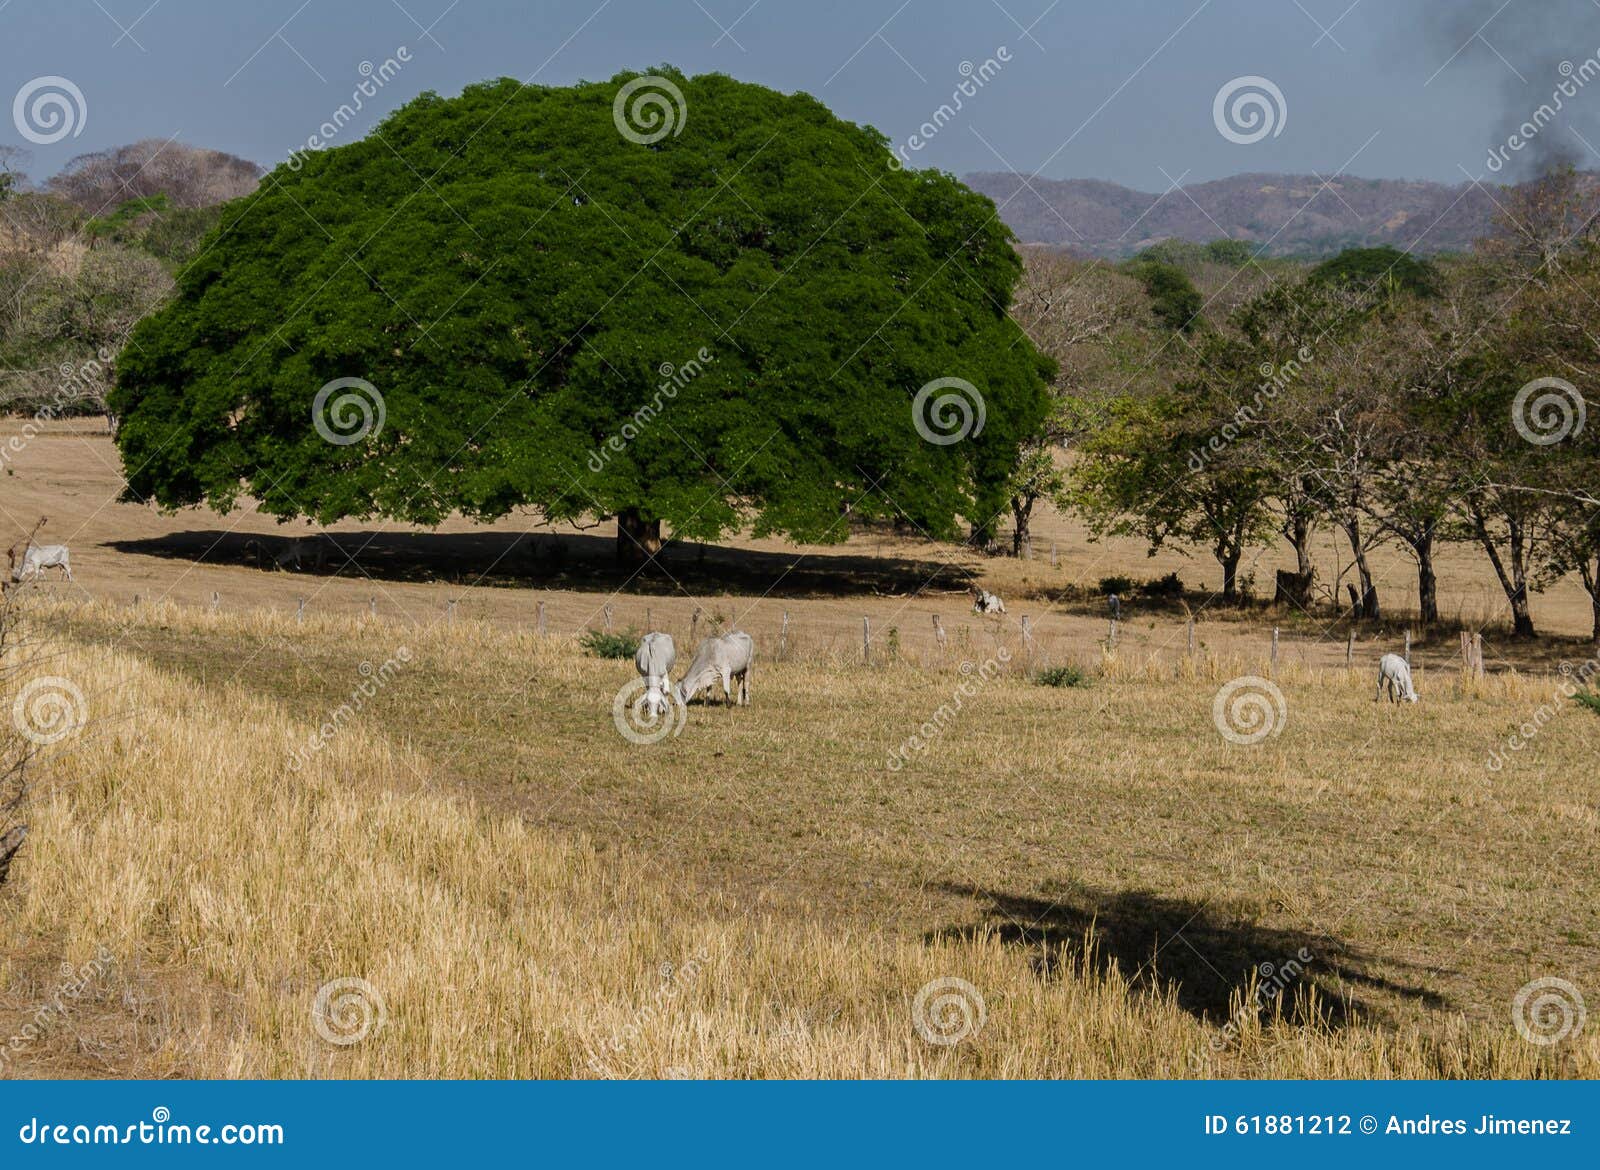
point(564, 561)
point(1202, 956)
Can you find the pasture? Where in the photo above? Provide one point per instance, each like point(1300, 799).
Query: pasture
point(766, 893)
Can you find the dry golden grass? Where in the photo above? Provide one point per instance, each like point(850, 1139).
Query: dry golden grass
point(230, 887)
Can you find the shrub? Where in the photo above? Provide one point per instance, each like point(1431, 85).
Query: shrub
point(1061, 676)
point(603, 645)
point(1168, 586)
point(1589, 699)
point(1122, 586)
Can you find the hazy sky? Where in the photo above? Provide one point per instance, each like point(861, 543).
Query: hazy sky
point(1121, 90)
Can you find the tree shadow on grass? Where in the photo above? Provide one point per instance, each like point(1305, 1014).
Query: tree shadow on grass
point(1204, 955)
point(569, 561)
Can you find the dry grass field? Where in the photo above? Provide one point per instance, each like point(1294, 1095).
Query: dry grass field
point(1128, 891)
point(528, 893)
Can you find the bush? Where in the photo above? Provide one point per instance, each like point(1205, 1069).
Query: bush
point(1168, 586)
point(603, 645)
point(1589, 699)
point(1061, 676)
point(1121, 586)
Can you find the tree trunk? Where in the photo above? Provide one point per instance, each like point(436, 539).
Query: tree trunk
point(1228, 558)
point(1369, 590)
point(1427, 579)
point(1515, 582)
point(1591, 585)
point(638, 539)
point(1021, 515)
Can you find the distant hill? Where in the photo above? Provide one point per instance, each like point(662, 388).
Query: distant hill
point(1290, 214)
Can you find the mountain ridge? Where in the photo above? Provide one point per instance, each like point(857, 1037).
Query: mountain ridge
point(1286, 214)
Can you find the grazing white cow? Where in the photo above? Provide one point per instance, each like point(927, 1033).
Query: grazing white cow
point(655, 658)
point(38, 557)
point(985, 602)
point(1396, 675)
point(721, 659)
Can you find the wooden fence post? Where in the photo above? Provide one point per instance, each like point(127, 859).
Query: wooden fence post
point(216, 601)
point(541, 618)
point(648, 624)
point(1191, 637)
point(866, 641)
point(783, 638)
point(694, 626)
point(1274, 666)
point(372, 608)
point(1408, 649)
point(1111, 639)
point(1477, 656)
point(606, 609)
point(1350, 650)
point(300, 609)
point(450, 611)
point(1027, 641)
point(1053, 554)
point(938, 635)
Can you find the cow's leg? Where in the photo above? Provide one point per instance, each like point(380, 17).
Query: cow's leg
point(727, 692)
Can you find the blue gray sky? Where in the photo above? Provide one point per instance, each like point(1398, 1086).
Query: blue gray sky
point(1121, 91)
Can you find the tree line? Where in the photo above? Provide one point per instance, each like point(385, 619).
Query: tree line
point(1388, 399)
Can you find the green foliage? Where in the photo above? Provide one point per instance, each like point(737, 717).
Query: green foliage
point(1378, 270)
point(1174, 299)
point(600, 644)
point(1588, 699)
point(153, 224)
point(515, 318)
point(1190, 256)
point(1061, 676)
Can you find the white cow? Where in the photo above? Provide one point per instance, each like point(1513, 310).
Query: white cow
point(38, 557)
point(1396, 675)
point(985, 602)
point(655, 658)
point(723, 659)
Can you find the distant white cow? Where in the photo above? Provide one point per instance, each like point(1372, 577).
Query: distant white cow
point(1396, 675)
point(985, 602)
point(655, 658)
point(725, 659)
point(38, 557)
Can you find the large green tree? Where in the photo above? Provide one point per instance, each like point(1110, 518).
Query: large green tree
point(512, 271)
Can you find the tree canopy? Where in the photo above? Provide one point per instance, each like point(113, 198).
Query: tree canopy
point(725, 324)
